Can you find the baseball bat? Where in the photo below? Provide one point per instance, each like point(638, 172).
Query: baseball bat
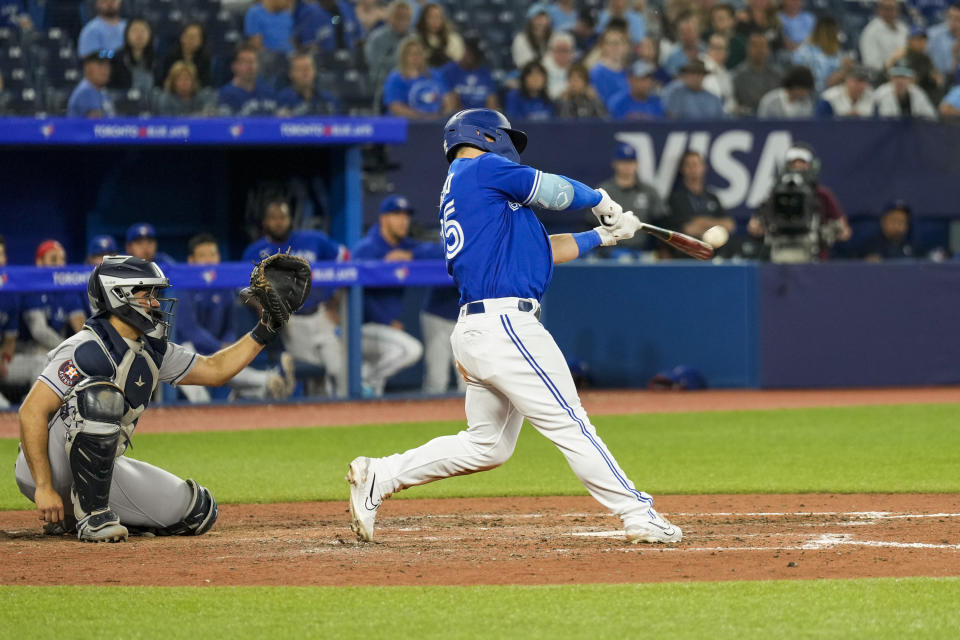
point(681, 241)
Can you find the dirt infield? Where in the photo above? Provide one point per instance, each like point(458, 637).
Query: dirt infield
point(514, 541)
point(557, 540)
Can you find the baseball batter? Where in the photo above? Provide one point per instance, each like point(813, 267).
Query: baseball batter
point(501, 259)
point(78, 418)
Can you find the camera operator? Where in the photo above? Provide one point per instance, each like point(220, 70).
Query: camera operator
point(801, 219)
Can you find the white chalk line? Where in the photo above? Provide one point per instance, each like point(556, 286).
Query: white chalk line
point(813, 543)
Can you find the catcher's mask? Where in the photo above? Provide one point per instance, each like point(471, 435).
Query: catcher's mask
point(113, 288)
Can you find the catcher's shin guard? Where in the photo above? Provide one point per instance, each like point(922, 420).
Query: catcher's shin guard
point(91, 462)
point(95, 406)
point(200, 516)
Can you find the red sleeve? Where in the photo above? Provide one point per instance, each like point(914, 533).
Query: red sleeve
point(829, 205)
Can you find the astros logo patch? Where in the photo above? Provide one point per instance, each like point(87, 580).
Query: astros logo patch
point(69, 375)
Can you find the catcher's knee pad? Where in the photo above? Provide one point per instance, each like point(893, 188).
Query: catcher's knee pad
point(96, 406)
point(201, 514)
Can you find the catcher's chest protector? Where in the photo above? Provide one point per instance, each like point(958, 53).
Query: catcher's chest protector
point(134, 370)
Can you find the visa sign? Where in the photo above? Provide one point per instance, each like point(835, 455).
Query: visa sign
point(728, 155)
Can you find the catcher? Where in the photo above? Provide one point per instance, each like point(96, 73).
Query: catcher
point(78, 418)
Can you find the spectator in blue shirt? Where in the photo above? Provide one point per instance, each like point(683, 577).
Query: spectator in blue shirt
point(206, 322)
point(303, 97)
point(942, 45)
point(103, 32)
point(470, 78)
point(640, 102)
point(328, 24)
point(636, 24)
point(892, 242)
point(685, 98)
point(689, 46)
point(821, 54)
point(269, 24)
point(387, 348)
point(90, 99)
point(950, 105)
point(99, 247)
point(563, 14)
point(609, 76)
point(530, 101)
point(413, 90)
point(797, 24)
point(246, 94)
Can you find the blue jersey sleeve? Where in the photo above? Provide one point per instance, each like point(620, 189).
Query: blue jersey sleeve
point(189, 329)
point(516, 181)
point(367, 250)
point(252, 252)
point(326, 249)
point(9, 314)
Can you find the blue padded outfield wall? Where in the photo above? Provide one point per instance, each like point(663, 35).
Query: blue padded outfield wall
point(743, 325)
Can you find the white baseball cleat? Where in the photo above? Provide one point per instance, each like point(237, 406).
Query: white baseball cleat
point(654, 528)
point(364, 499)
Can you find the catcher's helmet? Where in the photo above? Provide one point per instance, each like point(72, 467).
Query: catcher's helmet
point(111, 290)
point(472, 126)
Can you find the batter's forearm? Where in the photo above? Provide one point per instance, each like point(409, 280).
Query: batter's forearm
point(565, 247)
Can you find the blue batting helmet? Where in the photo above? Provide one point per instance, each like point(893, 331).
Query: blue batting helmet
point(473, 126)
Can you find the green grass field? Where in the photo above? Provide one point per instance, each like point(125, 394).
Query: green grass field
point(910, 448)
point(887, 608)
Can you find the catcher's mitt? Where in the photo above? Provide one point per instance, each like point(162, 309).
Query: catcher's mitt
point(280, 284)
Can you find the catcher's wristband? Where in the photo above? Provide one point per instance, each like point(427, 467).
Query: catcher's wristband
point(262, 334)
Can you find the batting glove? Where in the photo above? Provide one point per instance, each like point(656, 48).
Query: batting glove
point(624, 230)
point(608, 212)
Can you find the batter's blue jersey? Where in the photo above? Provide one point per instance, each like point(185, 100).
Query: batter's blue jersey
point(495, 245)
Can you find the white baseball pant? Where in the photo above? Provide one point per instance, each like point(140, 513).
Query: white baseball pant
point(438, 360)
point(515, 370)
point(386, 351)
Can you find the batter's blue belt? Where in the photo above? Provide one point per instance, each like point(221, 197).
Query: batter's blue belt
point(478, 307)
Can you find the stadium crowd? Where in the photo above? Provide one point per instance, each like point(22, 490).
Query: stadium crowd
point(621, 59)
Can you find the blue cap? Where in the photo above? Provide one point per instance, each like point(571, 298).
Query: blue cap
point(538, 7)
point(898, 205)
point(394, 203)
point(625, 152)
point(100, 245)
point(140, 230)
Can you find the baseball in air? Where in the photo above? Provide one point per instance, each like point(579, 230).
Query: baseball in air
point(716, 236)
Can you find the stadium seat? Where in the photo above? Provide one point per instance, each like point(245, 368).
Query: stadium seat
point(63, 79)
point(132, 102)
point(17, 79)
point(56, 99)
point(8, 37)
point(12, 56)
point(354, 93)
point(26, 102)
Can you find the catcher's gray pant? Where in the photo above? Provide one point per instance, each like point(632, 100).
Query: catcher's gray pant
point(385, 352)
point(438, 360)
point(141, 494)
point(515, 370)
